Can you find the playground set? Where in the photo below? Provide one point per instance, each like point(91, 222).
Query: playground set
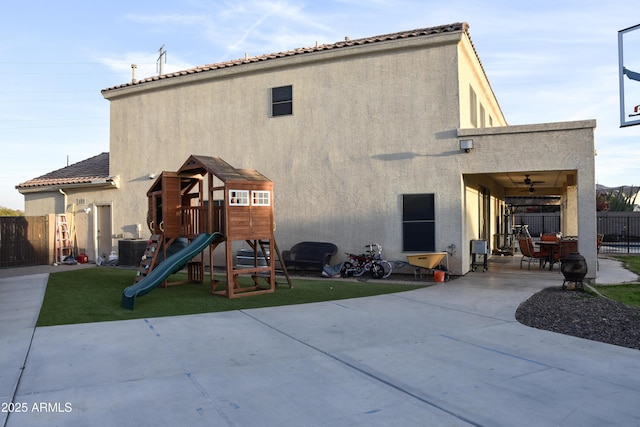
point(207, 202)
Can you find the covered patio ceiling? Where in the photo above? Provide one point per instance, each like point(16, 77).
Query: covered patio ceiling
point(534, 183)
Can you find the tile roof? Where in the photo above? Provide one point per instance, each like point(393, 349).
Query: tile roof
point(84, 172)
point(459, 26)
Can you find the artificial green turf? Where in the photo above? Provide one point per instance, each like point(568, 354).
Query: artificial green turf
point(94, 295)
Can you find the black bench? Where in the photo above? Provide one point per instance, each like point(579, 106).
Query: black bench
point(309, 255)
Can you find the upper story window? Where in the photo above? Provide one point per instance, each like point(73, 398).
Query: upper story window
point(282, 101)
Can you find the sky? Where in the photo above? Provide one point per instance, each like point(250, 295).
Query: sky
point(546, 60)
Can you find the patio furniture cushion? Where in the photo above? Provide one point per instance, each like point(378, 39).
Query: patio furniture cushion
point(529, 253)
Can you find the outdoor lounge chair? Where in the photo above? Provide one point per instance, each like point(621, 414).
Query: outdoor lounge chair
point(529, 253)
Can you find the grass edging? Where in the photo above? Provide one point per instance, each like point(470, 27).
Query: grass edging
point(626, 293)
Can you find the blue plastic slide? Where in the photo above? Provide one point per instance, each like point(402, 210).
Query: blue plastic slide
point(166, 268)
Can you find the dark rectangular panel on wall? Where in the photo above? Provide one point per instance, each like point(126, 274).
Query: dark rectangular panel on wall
point(419, 236)
point(418, 222)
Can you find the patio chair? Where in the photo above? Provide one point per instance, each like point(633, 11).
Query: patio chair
point(566, 247)
point(529, 253)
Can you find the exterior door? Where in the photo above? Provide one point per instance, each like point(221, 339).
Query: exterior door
point(104, 232)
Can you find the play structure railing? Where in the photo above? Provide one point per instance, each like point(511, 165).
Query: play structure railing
point(218, 219)
point(194, 220)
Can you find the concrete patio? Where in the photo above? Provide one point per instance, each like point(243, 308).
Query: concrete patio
point(450, 354)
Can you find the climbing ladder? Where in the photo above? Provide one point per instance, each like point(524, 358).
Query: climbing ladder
point(150, 258)
point(264, 245)
point(63, 242)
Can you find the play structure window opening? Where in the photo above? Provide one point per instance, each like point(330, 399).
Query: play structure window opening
point(238, 197)
point(261, 198)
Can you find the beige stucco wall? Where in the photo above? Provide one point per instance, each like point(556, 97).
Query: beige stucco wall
point(471, 76)
point(365, 130)
point(79, 205)
point(42, 203)
point(550, 146)
point(369, 124)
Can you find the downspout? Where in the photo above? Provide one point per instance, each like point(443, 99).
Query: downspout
point(65, 200)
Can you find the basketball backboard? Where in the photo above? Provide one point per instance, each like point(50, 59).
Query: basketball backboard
point(629, 75)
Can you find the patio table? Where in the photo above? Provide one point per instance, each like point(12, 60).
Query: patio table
point(551, 247)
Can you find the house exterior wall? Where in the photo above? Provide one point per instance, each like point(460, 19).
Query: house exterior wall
point(42, 203)
point(570, 206)
point(73, 202)
point(370, 123)
point(471, 78)
point(550, 146)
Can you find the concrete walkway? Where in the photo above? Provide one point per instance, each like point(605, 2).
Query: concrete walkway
point(451, 354)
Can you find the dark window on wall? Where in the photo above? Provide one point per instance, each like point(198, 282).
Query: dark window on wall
point(418, 222)
point(282, 101)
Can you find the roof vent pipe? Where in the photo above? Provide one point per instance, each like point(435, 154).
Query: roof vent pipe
point(134, 80)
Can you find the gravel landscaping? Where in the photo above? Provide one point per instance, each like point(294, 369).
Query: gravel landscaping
point(581, 314)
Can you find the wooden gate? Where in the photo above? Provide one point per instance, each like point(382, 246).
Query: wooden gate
point(24, 241)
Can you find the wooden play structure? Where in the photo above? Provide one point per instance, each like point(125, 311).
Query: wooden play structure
point(207, 195)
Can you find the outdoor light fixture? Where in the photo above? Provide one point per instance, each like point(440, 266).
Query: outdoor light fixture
point(466, 145)
point(152, 175)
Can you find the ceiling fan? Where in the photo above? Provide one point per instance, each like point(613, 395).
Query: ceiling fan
point(531, 189)
point(530, 182)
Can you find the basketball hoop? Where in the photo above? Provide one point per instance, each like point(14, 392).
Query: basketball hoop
point(629, 75)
